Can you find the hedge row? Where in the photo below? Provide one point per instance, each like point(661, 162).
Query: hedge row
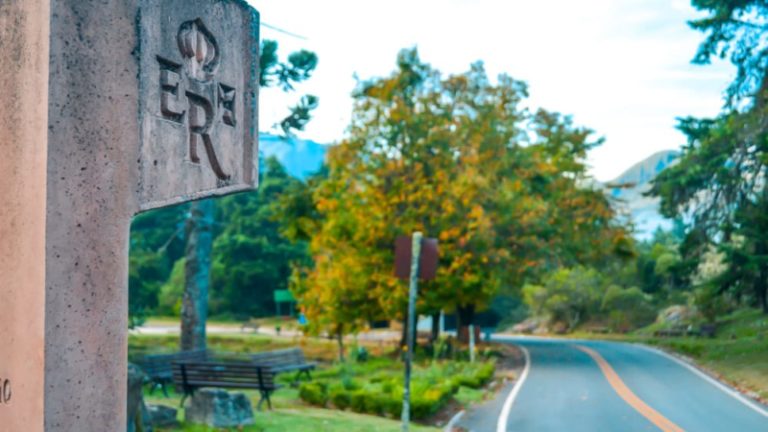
point(383, 395)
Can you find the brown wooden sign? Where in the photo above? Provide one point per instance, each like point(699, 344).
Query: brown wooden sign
point(427, 260)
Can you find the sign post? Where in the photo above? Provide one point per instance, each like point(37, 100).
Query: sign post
point(413, 286)
point(414, 258)
point(471, 343)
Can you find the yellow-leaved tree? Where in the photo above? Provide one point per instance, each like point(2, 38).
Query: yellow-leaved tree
point(458, 158)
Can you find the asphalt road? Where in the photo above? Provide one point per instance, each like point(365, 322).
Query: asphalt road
point(593, 386)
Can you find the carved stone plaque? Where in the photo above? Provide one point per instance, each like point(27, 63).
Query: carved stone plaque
point(198, 96)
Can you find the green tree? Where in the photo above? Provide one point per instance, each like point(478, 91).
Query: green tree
point(627, 308)
point(157, 241)
point(251, 258)
point(568, 296)
point(720, 185)
point(297, 68)
point(738, 30)
point(458, 158)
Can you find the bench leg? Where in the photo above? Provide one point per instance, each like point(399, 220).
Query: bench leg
point(165, 389)
point(264, 397)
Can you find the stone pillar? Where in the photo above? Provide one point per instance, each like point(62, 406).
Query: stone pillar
point(108, 108)
point(24, 38)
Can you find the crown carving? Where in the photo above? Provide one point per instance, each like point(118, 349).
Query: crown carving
point(199, 50)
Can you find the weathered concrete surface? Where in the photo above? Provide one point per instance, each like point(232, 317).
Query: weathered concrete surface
point(23, 138)
point(200, 52)
point(74, 166)
point(92, 136)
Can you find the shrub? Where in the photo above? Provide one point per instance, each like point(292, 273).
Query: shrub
point(350, 384)
point(392, 405)
point(340, 398)
point(628, 307)
point(374, 402)
point(314, 393)
point(361, 354)
point(388, 386)
point(475, 375)
point(357, 402)
point(428, 402)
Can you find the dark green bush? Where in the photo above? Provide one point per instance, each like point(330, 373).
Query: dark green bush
point(376, 387)
point(392, 405)
point(374, 402)
point(361, 354)
point(314, 393)
point(388, 386)
point(357, 402)
point(476, 375)
point(350, 384)
point(426, 403)
point(340, 398)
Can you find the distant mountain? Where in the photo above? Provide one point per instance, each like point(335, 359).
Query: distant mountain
point(628, 189)
point(301, 158)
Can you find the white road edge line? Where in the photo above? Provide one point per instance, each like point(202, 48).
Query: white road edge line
point(727, 390)
point(455, 419)
point(501, 426)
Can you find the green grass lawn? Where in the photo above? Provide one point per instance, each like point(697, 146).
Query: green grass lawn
point(290, 414)
point(312, 420)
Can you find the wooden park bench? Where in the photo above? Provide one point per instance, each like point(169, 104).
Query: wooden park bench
point(189, 376)
point(285, 360)
point(708, 330)
point(159, 370)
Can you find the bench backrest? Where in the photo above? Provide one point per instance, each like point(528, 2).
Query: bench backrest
point(290, 356)
point(160, 364)
point(189, 374)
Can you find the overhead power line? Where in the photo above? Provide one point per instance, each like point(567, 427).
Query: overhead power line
point(277, 29)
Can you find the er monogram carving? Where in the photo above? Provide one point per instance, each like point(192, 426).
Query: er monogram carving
point(190, 95)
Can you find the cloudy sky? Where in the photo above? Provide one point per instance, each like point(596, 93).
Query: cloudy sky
point(620, 67)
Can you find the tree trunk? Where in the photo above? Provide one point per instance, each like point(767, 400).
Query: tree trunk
point(761, 283)
point(761, 288)
point(340, 342)
point(465, 315)
point(197, 271)
point(435, 327)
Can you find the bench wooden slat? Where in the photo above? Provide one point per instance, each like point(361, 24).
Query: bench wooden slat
point(158, 367)
point(191, 375)
point(285, 360)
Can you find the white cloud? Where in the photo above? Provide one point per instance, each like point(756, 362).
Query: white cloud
point(619, 67)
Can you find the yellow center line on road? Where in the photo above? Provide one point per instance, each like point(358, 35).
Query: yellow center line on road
point(629, 397)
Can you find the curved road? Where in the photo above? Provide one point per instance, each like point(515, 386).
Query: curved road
point(575, 386)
